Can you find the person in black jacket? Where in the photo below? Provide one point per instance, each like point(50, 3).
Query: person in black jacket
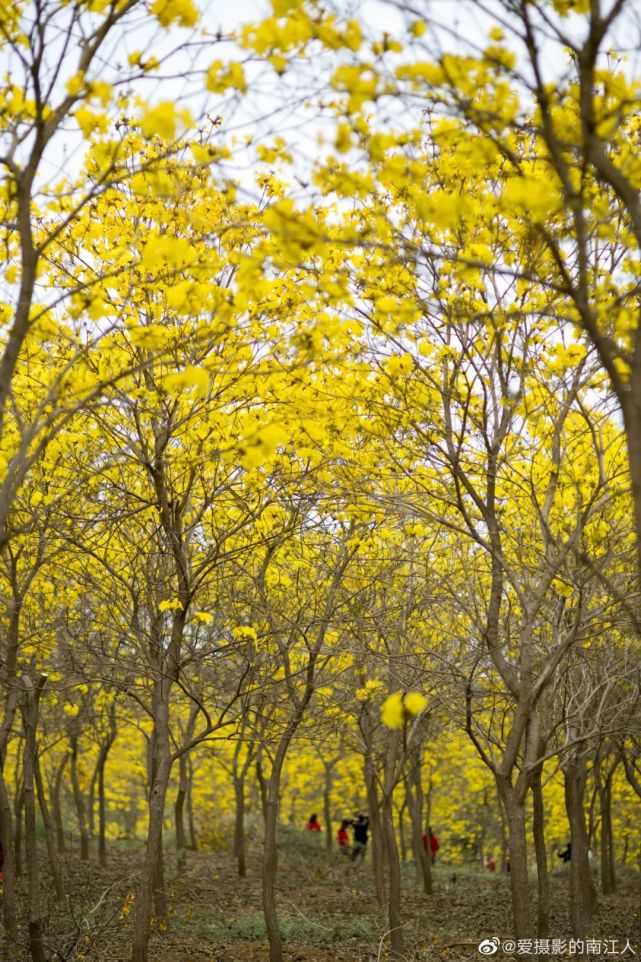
point(360, 826)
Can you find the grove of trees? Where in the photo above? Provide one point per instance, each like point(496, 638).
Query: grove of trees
point(320, 444)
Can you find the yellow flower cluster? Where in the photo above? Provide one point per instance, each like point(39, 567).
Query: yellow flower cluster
point(398, 707)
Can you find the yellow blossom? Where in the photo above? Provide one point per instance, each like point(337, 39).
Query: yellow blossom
point(392, 712)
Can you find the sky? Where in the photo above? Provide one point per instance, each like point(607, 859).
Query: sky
point(277, 105)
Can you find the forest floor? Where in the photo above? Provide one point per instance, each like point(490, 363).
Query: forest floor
point(327, 910)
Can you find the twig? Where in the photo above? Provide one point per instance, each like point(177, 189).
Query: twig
point(298, 912)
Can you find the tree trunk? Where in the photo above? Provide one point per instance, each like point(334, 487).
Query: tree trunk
point(193, 838)
point(631, 408)
point(613, 870)
point(607, 819)
point(161, 906)
point(50, 835)
point(397, 942)
point(608, 879)
point(81, 812)
point(639, 903)
point(179, 812)
point(504, 834)
point(30, 722)
point(151, 876)
point(592, 817)
point(538, 833)
point(239, 826)
point(160, 759)
point(153, 855)
point(517, 848)
point(18, 808)
point(401, 834)
point(270, 866)
point(262, 782)
point(327, 806)
point(414, 795)
point(102, 809)
point(270, 851)
point(98, 779)
point(9, 915)
point(374, 812)
point(91, 800)
point(582, 894)
point(183, 788)
point(56, 806)
point(240, 778)
point(604, 835)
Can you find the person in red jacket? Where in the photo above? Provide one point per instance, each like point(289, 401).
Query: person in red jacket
point(434, 844)
point(342, 837)
point(313, 825)
point(431, 843)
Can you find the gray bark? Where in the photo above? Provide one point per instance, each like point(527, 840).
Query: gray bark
point(9, 914)
point(79, 800)
point(582, 894)
point(50, 833)
point(30, 722)
point(397, 941)
point(538, 832)
point(517, 848)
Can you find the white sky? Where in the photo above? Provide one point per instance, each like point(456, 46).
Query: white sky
point(274, 105)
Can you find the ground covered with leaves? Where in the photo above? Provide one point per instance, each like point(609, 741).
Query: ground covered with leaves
point(327, 908)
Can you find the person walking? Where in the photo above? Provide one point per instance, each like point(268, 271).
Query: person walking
point(431, 843)
point(361, 827)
